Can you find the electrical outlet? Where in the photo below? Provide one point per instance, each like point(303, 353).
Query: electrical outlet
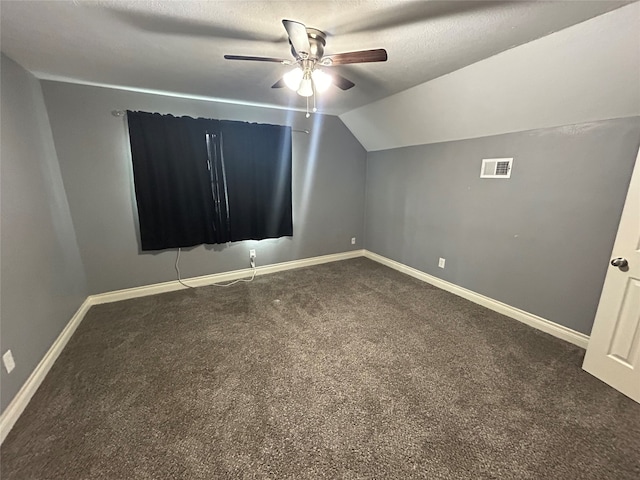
point(441, 262)
point(9, 363)
point(353, 240)
point(252, 254)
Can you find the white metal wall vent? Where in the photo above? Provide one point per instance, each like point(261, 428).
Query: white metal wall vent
point(496, 168)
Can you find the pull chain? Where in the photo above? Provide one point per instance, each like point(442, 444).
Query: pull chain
point(314, 98)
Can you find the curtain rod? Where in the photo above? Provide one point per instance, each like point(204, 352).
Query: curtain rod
point(122, 113)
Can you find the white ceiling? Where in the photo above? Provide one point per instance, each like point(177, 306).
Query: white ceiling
point(178, 46)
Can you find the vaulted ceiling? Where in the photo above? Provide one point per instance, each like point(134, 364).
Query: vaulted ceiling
point(178, 47)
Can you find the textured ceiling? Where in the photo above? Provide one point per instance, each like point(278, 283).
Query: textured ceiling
point(178, 47)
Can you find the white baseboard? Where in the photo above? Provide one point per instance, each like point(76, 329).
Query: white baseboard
point(552, 328)
point(22, 398)
point(225, 277)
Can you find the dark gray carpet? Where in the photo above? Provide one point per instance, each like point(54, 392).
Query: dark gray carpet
point(344, 370)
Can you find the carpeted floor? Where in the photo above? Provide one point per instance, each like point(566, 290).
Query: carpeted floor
point(343, 370)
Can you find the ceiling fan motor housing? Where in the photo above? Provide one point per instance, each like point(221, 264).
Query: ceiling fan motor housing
point(317, 41)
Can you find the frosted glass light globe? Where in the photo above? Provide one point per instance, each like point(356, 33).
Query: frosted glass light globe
point(321, 80)
point(293, 78)
point(306, 87)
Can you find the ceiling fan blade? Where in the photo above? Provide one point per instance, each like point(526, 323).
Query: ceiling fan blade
point(279, 84)
point(298, 37)
point(363, 56)
point(341, 82)
point(256, 59)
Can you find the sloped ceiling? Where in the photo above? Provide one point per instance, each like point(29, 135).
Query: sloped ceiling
point(178, 47)
point(584, 73)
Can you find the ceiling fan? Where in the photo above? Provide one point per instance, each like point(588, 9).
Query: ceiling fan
point(307, 48)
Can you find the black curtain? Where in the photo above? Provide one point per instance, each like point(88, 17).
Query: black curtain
point(209, 181)
point(257, 164)
point(172, 180)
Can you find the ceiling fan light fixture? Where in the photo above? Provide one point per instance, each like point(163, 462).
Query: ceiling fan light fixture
point(306, 86)
point(321, 80)
point(293, 78)
point(307, 47)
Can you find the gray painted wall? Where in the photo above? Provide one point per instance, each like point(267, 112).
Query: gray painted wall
point(328, 186)
point(539, 241)
point(43, 281)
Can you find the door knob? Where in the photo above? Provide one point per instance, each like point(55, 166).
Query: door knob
point(619, 262)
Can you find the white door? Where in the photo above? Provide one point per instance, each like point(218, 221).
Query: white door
point(613, 354)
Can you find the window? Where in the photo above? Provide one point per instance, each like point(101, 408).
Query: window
point(209, 181)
